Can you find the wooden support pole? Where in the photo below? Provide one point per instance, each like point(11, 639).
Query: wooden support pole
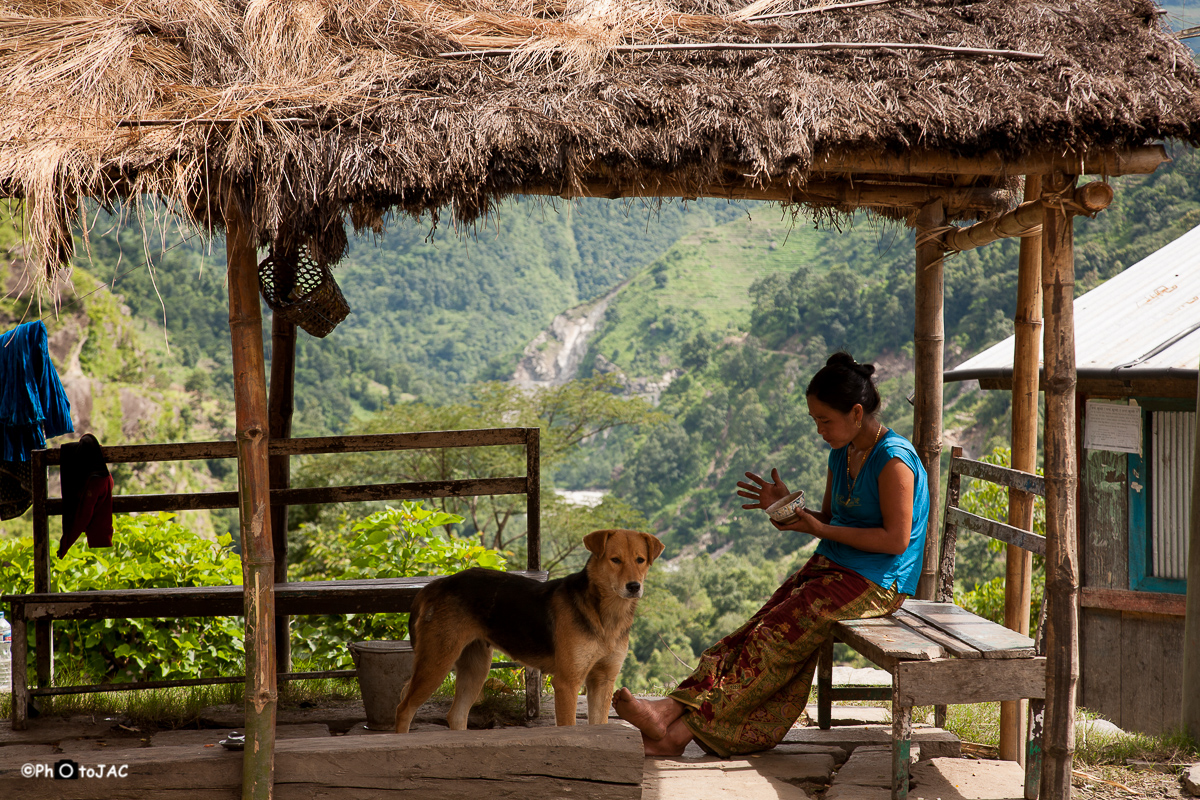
point(1061, 473)
point(281, 404)
point(258, 563)
point(1018, 561)
point(1025, 219)
point(929, 340)
point(43, 629)
point(1191, 621)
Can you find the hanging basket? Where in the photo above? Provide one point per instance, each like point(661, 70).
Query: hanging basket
point(301, 291)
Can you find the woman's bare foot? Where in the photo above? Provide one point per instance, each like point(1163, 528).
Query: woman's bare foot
point(651, 717)
point(673, 742)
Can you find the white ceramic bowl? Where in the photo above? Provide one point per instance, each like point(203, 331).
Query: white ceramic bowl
point(784, 510)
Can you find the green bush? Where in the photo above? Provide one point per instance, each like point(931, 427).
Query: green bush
point(393, 543)
point(149, 551)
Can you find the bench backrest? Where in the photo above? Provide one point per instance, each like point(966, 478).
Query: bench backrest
point(955, 517)
point(528, 484)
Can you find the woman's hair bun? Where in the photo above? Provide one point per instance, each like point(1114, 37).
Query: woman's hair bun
point(843, 359)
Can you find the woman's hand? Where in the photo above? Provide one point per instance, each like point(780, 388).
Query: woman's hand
point(805, 522)
point(762, 491)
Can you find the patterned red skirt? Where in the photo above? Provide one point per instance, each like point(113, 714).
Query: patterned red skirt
point(752, 686)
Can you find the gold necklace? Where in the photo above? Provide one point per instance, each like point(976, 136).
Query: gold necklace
point(863, 461)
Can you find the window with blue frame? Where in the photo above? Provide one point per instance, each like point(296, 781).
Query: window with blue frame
point(1160, 496)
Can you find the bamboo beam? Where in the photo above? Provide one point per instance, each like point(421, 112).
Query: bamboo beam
point(1062, 568)
point(258, 563)
point(1131, 161)
point(830, 193)
point(280, 406)
point(1018, 571)
point(929, 340)
point(1025, 219)
point(1191, 622)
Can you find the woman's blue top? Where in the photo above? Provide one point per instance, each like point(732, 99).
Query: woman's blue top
point(857, 506)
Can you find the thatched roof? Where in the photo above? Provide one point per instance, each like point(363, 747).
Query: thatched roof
point(319, 112)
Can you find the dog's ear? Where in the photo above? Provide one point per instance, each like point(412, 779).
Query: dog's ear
point(653, 545)
point(596, 540)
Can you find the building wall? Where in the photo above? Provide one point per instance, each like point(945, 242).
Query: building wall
point(1130, 670)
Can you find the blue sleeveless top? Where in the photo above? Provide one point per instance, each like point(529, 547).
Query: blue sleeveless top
point(858, 507)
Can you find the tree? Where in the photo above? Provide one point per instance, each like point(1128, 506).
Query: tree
point(567, 416)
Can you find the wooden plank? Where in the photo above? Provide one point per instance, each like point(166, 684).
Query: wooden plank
point(1171, 641)
point(1012, 478)
point(195, 501)
point(142, 503)
point(1141, 677)
point(954, 646)
point(380, 595)
point(1100, 657)
point(1105, 520)
point(949, 551)
point(885, 641)
point(957, 681)
point(1001, 531)
point(171, 451)
point(419, 440)
point(590, 762)
point(477, 487)
point(990, 639)
point(1140, 602)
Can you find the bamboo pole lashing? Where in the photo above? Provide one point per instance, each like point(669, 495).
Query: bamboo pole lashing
point(1023, 456)
point(1026, 219)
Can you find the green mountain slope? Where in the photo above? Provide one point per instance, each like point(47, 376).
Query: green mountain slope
point(742, 326)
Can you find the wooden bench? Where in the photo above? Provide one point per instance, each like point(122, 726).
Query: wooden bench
point(939, 654)
point(385, 595)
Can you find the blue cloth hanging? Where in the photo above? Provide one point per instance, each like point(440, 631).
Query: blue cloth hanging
point(33, 405)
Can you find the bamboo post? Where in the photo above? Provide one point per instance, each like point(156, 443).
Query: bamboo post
point(929, 338)
point(1019, 561)
point(1191, 621)
point(258, 563)
point(281, 404)
point(1062, 569)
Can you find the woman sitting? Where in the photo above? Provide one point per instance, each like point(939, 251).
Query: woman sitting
point(752, 686)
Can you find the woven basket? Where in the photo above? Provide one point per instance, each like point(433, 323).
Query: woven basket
point(301, 291)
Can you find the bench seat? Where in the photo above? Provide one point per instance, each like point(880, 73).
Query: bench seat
point(937, 654)
point(298, 598)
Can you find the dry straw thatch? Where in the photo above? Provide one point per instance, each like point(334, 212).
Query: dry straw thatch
point(312, 113)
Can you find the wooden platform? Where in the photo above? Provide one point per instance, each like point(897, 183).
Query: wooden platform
point(603, 762)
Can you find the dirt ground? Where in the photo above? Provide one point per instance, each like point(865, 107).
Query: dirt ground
point(1105, 782)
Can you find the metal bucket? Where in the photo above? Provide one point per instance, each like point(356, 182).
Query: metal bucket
point(384, 669)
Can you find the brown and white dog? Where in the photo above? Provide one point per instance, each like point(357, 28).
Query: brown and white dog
point(574, 628)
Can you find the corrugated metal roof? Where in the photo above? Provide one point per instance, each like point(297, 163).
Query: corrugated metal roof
point(1144, 322)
